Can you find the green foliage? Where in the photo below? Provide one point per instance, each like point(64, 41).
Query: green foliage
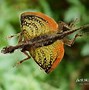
point(28, 76)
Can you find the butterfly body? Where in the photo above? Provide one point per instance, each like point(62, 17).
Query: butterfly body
point(34, 24)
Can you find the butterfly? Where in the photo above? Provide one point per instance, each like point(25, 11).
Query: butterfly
point(35, 24)
point(44, 39)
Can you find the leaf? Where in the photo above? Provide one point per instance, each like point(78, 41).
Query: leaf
point(72, 14)
point(75, 2)
point(85, 50)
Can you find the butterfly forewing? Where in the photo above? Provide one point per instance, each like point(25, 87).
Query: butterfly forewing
point(35, 24)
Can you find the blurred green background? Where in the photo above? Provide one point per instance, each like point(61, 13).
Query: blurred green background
point(29, 76)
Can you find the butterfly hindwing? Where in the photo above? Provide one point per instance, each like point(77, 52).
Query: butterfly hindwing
point(48, 57)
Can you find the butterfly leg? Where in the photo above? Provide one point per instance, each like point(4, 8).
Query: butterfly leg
point(72, 24)
point(62, 26)
point(28, 57)
point(19, 35)
point(65, 27)
point(15, 35)
point(20, 38)
point(71, 42)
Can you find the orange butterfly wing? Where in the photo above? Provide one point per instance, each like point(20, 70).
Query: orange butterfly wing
point(35, 24)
